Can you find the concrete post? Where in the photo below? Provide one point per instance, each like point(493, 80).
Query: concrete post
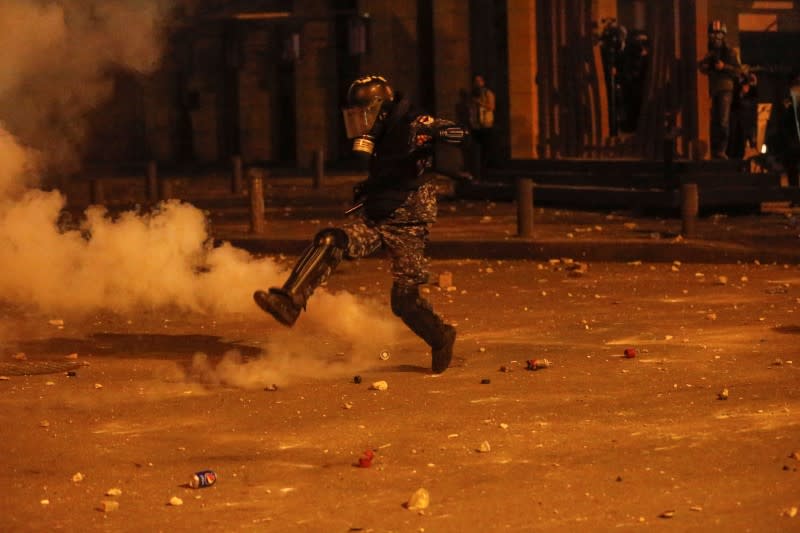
point(237, 185)
point(97, 197)
point(524, 207)
point(152, 181)
point(319, 167)
point(257, 201)
point(690, 207)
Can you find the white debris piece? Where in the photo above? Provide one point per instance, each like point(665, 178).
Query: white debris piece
point(379, 385)
point(108, 506)
point(421, 499)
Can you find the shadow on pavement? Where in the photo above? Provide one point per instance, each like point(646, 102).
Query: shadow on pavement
point(788, 330)
point(135, 345)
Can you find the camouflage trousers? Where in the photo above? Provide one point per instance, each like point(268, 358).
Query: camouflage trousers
point(403, 235)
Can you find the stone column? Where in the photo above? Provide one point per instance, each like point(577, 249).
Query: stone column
point(395, 49)
point(522, 71)
point(702, 98)
point(452, 69)
point(317, 85)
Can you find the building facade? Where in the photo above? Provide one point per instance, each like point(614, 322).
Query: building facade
point(265, 79)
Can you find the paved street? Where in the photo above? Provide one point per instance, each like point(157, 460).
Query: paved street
point(596, 441)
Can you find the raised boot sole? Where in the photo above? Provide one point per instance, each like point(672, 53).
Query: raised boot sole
point(279, 305)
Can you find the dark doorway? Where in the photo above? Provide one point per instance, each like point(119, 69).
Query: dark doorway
point(489, 55)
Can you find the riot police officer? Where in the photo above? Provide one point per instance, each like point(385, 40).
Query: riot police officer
point(722, 67)
point(398, 205)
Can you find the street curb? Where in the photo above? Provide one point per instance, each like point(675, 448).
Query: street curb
point(687, 251)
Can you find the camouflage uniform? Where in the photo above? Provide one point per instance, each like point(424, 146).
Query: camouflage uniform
point(403, 235)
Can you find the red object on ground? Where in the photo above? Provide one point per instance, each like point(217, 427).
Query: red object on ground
point(630, 353)
point(366, 460)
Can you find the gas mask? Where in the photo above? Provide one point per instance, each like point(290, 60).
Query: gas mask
point(364, 125)
point(369, 102)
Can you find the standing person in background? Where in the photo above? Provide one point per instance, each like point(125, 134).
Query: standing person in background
point(722, 67)
point(784, 143)
point(744, 115)
point(635, 64)
point(482, 123)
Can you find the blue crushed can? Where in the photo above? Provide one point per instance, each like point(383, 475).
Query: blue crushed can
point(203, 479)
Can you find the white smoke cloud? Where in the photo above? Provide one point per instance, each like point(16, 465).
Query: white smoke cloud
point(350, 333)
point(55, 64)
point(55, 67)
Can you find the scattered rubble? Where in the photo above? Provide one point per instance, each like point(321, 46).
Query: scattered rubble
point(108, 506)
point(538, 364)
point(365, 461)
point(379, 386)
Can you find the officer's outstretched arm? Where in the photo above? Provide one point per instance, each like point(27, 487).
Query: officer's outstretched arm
point(453, 134)
point(428, 130)
point(448, 131)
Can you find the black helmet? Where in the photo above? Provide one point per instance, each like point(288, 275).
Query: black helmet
point(365, 98)
point(717, 26)
point(716, 34)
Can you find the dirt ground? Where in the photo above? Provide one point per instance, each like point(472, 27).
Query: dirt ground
point(595, 442)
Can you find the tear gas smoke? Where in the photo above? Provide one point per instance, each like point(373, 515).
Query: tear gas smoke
point(57, 56)
point(53, 70)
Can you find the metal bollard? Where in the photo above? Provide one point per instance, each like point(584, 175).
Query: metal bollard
point(237, 184)
point(97, 196)
point(152, 181)
point(690, 207)
point(257, 200)
point(319, 168)
point(525, 207)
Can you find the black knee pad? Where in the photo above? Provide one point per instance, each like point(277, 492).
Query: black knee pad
point(331, 237)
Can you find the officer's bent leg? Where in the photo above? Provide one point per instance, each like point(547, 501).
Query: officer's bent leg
point(311, 270)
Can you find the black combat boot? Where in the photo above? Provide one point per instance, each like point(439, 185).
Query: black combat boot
point(311, 270)
point(417, 313)
point(441, 356)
